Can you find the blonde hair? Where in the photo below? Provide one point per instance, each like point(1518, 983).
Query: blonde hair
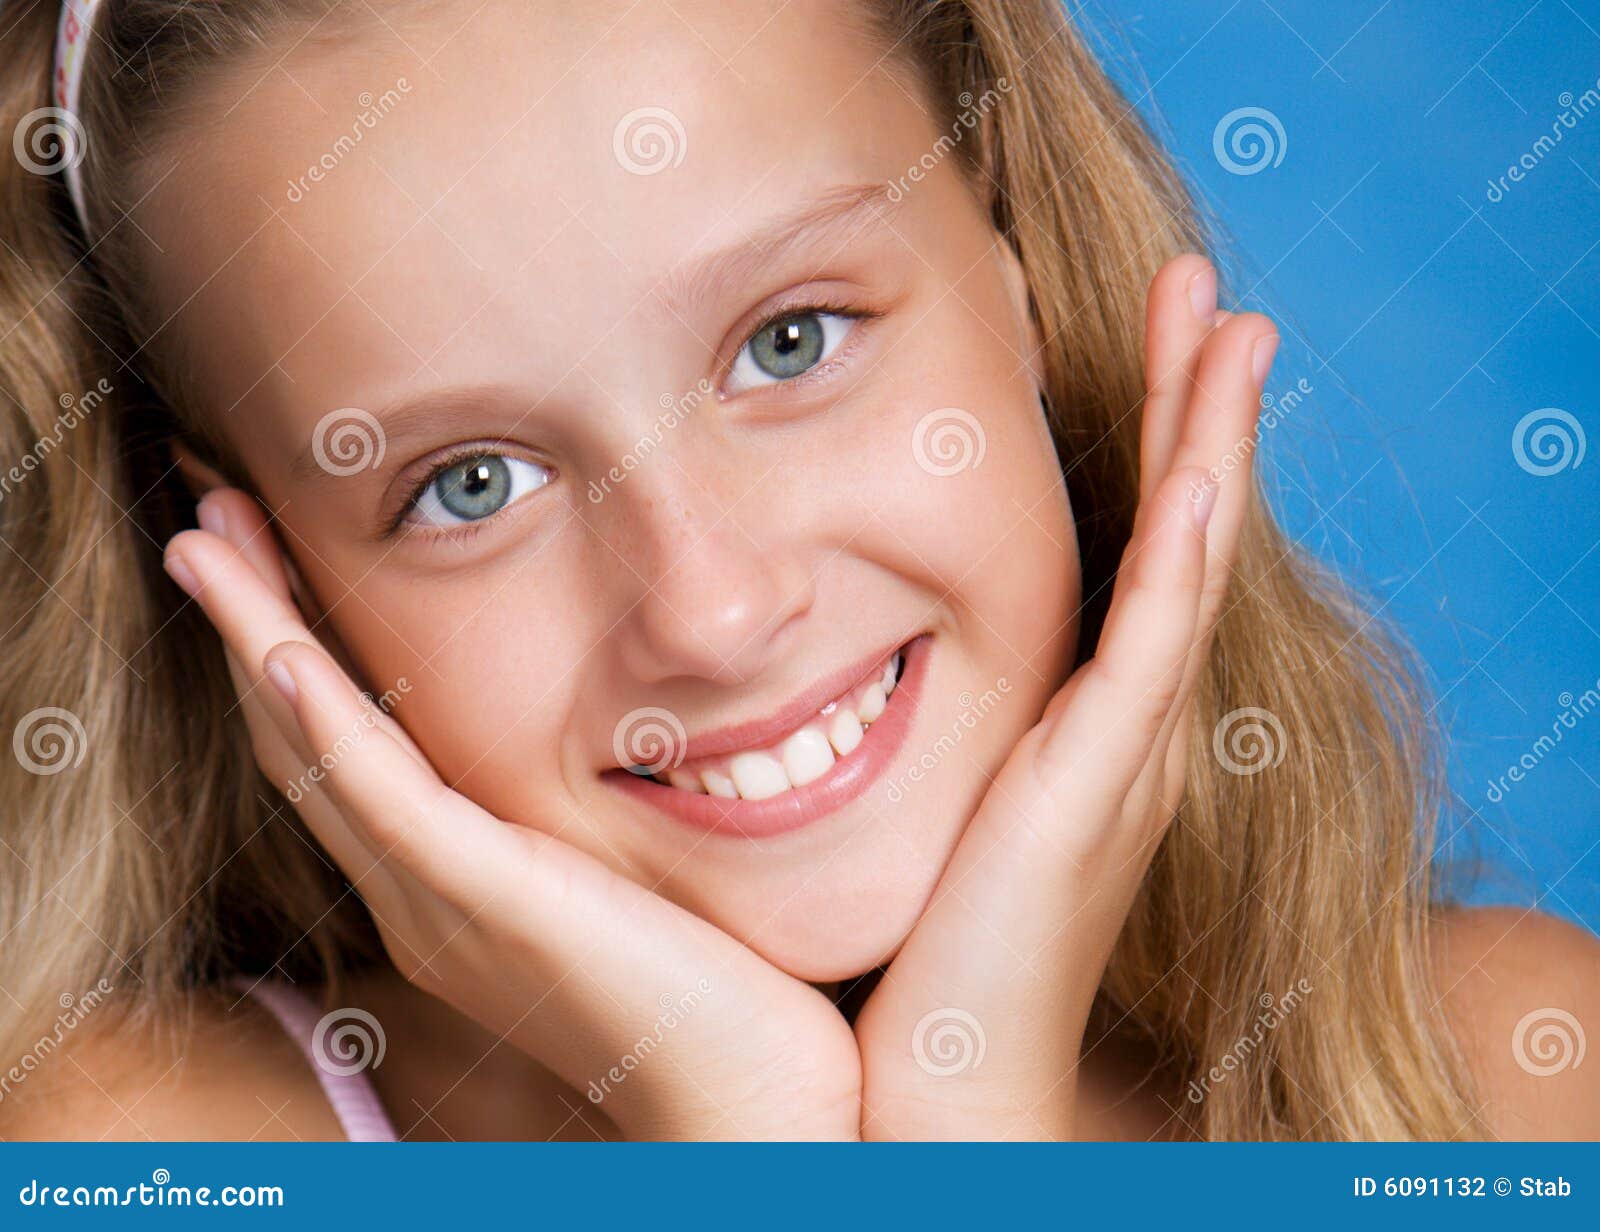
point(164, 860)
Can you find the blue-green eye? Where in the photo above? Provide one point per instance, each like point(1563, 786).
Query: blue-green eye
point(476, 487)
point(788, 346)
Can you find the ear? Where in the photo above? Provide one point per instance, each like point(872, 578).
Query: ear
point(198, 476)
point(1016, 280)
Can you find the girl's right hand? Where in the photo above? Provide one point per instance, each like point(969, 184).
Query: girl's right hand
point(537, 941)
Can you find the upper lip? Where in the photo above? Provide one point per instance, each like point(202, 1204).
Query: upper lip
point(766, 731)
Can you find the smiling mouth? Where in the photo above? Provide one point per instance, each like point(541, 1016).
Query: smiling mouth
point(802, 757)
point(757, 780)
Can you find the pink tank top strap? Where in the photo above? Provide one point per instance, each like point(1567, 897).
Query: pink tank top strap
point(344, 1080)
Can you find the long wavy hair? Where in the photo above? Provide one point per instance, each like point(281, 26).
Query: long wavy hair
point(1299, 897)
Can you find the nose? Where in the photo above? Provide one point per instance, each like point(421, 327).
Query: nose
point(716, 586)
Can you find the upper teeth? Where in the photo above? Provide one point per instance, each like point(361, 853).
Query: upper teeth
point(802, 757)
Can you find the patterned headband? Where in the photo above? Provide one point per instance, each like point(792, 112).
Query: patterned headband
point(72, 41)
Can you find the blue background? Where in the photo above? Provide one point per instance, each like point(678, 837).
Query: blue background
point(1428, 321)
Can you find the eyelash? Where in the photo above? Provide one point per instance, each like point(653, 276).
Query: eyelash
point(464, 531)
point(800, 308)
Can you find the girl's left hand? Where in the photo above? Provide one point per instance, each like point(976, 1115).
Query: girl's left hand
point(976, 1029)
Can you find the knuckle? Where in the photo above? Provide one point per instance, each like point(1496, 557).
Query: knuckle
point(390, 830)
point(1140, 701)
point(1213, 590)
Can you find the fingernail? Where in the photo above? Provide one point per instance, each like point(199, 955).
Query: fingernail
point(1261, 357)
point(282, 681)
point(179, 571)
point(211, 517)
point(1205, 501)
point(1203, 293)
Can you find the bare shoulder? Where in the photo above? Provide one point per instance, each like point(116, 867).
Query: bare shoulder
point(232, 1075)
point(1521, 990)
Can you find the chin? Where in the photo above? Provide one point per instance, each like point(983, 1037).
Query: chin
point(842, 911)
point(826, 874)
point(838, 936)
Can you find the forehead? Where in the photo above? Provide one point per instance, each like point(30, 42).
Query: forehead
point(468, 174)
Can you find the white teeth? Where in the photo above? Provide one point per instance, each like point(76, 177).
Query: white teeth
point(758, 775)
point(685, 780)
point(844, 733)
point(806, 756)
point(872, 702)
point(720, 785)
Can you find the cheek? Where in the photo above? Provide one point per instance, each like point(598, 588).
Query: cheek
point(977, 533)
point(968, 499)
point(996, 544)
point(483, 704)
point(964, 478)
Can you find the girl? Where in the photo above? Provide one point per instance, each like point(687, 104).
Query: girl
point(726, 599)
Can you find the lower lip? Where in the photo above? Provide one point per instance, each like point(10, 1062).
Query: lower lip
point(800, 806)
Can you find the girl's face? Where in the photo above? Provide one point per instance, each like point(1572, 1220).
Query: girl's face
point(686, 411)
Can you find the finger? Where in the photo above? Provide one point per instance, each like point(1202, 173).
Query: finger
point(598, 949)
point(398, 804)
point(1215, 447)
point(1170, 776)
point(234, 516)
point(1179, 314)
point(1220, 435)
point(246, 612)
point(241, 583)
point(294, 773)
point(1105, 734)
point(260, 723)
point(446, 840)
point(1219, 430)
point(249, 614)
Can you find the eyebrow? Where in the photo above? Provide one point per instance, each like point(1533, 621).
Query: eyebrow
point(838, 215)
point(408, 417)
